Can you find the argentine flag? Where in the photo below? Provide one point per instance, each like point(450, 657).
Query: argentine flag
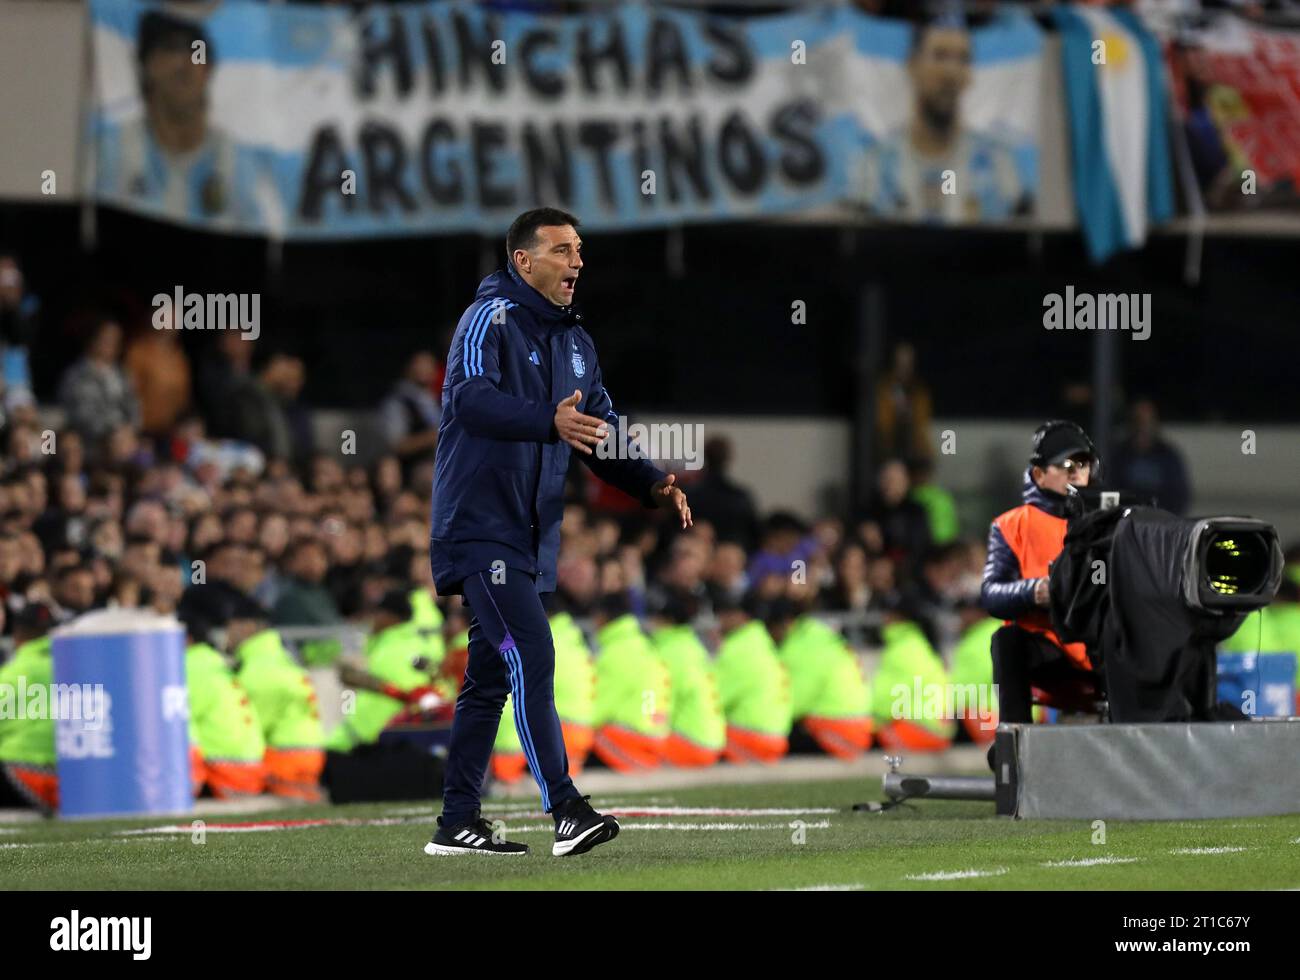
point(1123, 178)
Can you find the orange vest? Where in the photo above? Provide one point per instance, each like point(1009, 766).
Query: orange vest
point(1036, 539)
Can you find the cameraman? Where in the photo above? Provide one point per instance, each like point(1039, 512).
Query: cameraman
point(1023, 542)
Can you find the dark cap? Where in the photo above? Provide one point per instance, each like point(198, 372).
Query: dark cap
point(1059, 440)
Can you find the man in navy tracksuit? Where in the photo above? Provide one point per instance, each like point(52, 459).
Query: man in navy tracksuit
point(519, 367)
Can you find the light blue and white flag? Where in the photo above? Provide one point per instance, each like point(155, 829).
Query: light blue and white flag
point(1116, 96)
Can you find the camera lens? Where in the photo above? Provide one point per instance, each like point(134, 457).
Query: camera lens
point(1236, 563)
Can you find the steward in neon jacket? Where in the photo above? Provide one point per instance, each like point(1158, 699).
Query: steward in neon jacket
point(498, 486)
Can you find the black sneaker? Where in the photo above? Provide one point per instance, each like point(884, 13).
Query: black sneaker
point(579, 828)
point(475, 837)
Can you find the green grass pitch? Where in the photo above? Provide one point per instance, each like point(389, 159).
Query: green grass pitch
point(676, 844)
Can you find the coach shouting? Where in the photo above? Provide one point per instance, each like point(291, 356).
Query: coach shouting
point(523, 386)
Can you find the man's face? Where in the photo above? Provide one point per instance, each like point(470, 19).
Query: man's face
point(310, 564)
point(940, 69)
point(108, 343)
point(10, 560)
point(893, 483)
point(422, 368)
point(553, 265)
point(1075, 472)
point(11, 282)
point(226, 564)
point(77, 591)
point(174, 82)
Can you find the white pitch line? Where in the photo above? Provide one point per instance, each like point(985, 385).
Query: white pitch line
point(1209, 850)
point(954, 875)
point(1088, 862)
point(714, 811)
point(824, 888)
point(697, 811)
point(186, 829)
point(820, 825)
point(633, 811)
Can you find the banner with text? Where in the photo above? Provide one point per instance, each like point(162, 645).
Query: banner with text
point(325, 122)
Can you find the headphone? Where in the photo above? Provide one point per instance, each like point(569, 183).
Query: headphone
point(1036, 457)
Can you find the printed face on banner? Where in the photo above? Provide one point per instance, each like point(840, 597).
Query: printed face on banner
point(948, 132)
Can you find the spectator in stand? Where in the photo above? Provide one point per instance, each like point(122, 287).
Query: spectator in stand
point(225, 371)
point(304, 600)
point(411, 412)
point(931, 599)
point(904, 530)
point(346, 543)
point(726, 578)
point(160, 373)
point(69, 456)
point(903, 408)
point(96, 393)
point(849, 591)
point(66, 522)
point(1147, 463)
point(74, 590)
point(296, 413)
point(940, 508)
point(18, 328)
point(266, 407)
point(11, 568)
point(721, 500)
point(785, 541)
point(388, 481)
point(882, 580)
point(149, 519)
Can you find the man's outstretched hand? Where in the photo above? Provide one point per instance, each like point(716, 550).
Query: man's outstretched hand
point(671, 497)
point(578, 430)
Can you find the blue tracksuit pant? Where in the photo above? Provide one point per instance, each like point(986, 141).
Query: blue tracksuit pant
point(510, 652)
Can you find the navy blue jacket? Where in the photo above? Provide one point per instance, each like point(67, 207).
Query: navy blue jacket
point(498, 484)
point(1004, 592)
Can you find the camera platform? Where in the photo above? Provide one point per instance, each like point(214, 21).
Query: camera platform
point(1167, 771)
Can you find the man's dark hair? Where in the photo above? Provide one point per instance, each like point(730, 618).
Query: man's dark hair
point(161, 31)
point(523, 230)
point(67, 571)
point(677, 606)
point(299, 545)
point(216, 547)
point(717, 454)
point(784, 520)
